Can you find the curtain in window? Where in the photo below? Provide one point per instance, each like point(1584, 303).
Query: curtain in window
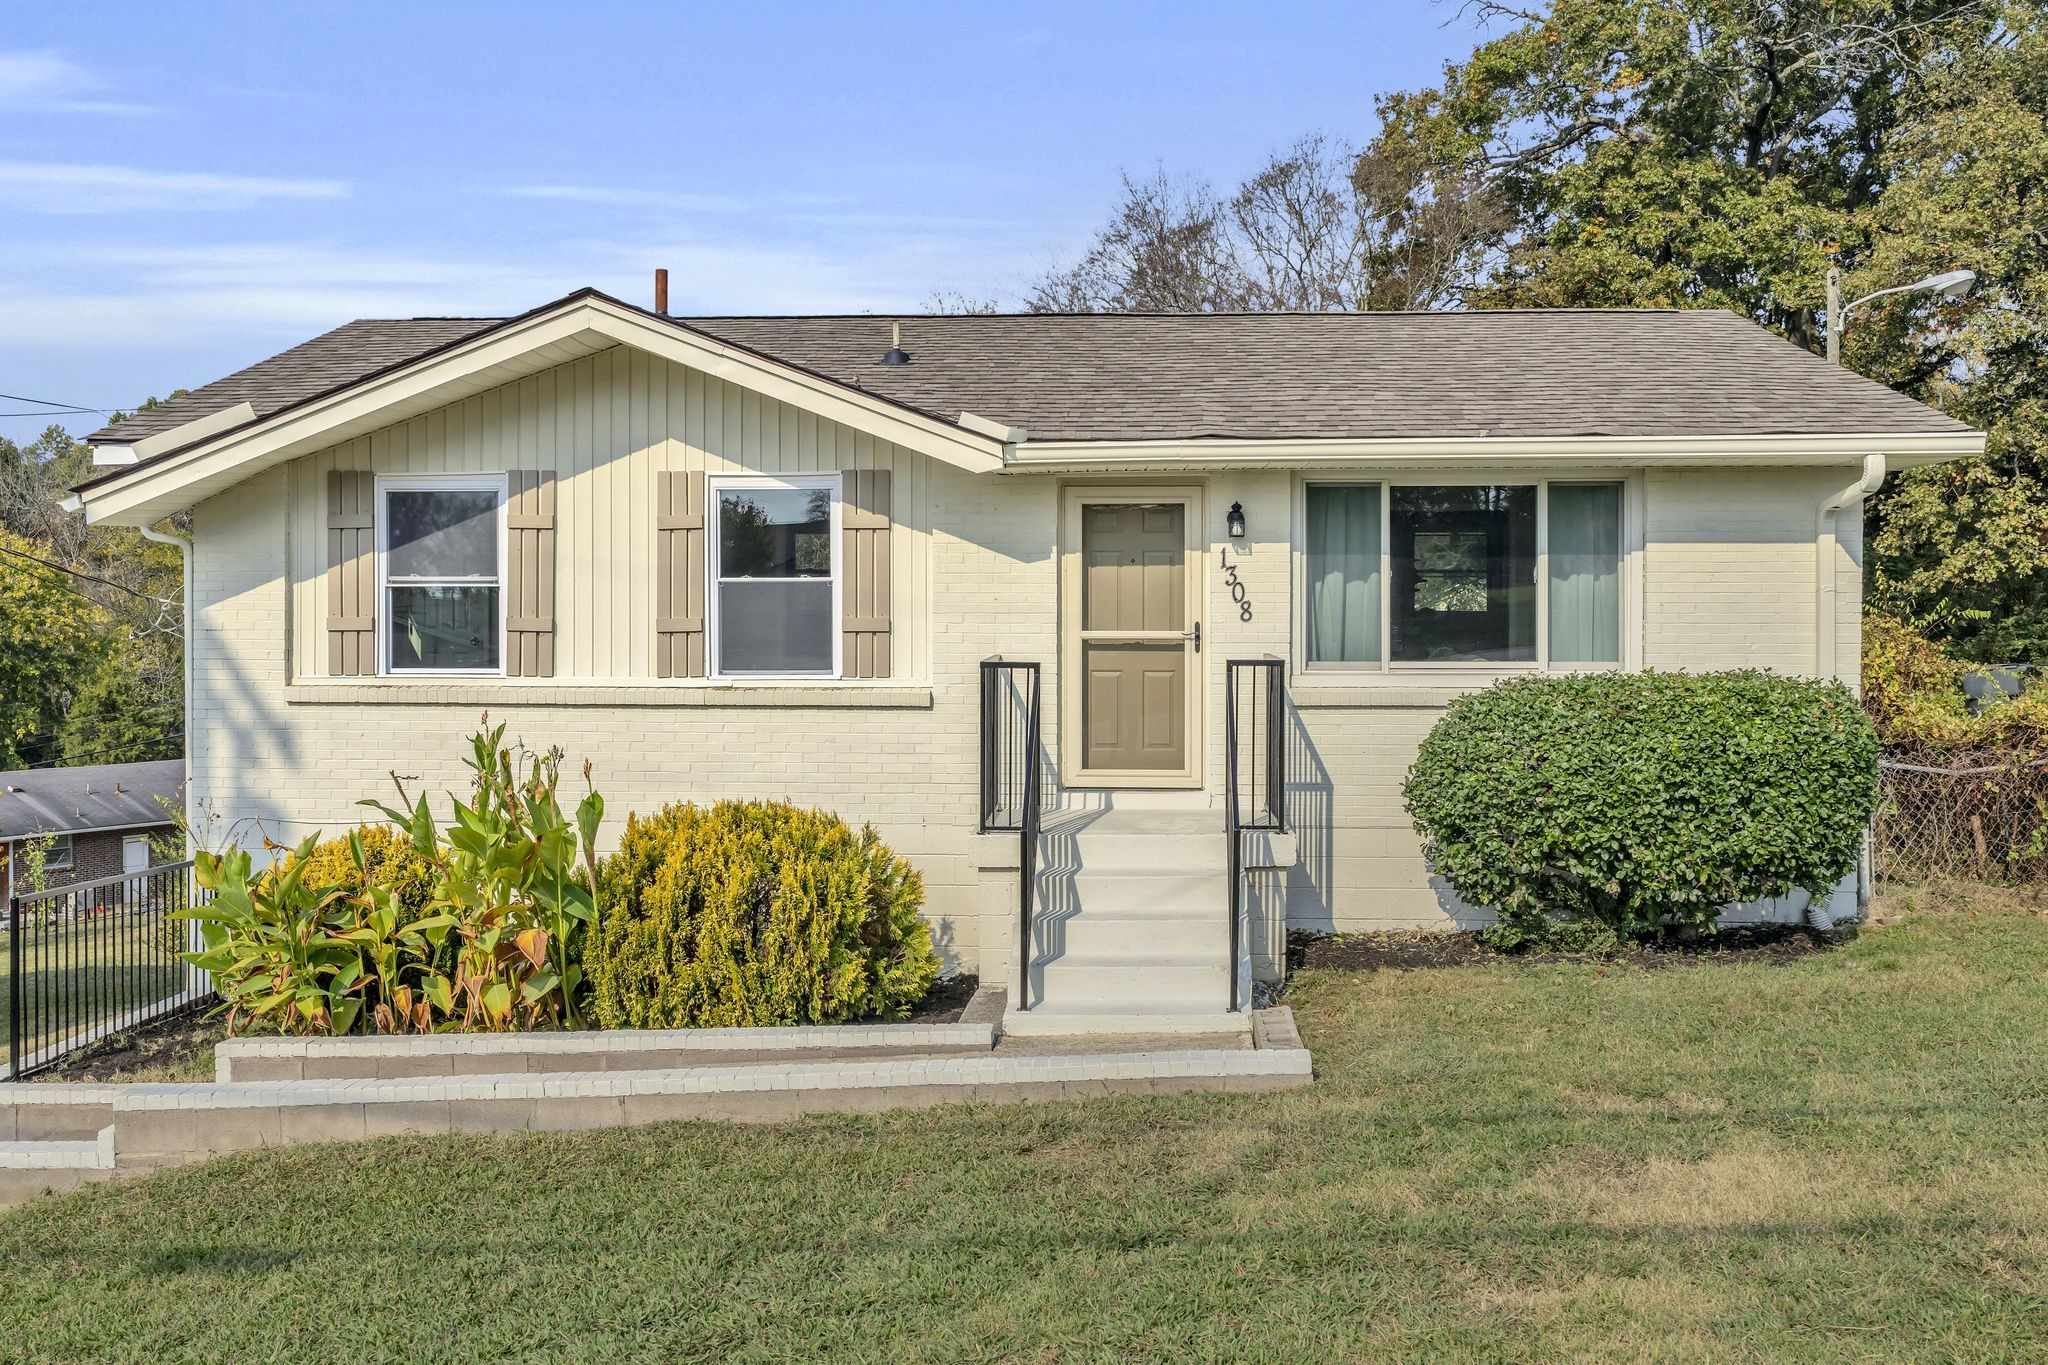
point(1585, 573)
point(1343, 553)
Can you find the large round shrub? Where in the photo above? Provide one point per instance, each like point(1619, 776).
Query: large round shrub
point(1637, 800)
point(755, 912)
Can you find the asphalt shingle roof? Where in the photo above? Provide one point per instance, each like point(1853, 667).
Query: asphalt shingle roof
point(1109, 377)
point(97, 796)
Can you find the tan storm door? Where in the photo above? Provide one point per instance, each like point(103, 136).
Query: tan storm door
point(1130, 570)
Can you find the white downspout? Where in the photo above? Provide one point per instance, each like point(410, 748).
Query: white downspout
point(1826, 626)
point(184, 549)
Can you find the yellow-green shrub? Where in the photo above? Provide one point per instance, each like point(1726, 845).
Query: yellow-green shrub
point(394, 864)
point(755, 912)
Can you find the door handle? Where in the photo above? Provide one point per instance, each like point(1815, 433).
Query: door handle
point(1195, 635)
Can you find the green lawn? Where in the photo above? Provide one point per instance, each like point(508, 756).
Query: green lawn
point(80, 971)
point(1843, 1157)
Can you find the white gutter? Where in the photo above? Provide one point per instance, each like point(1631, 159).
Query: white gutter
point(189, 638)
point(1781, 450)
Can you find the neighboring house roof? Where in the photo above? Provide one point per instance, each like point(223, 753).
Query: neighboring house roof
point(79, 800)
point(1264, 376)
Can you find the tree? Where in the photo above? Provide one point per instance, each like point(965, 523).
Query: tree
point(49, 634)
point(1703, 153)
point(1320, 227)
point(1961, 551)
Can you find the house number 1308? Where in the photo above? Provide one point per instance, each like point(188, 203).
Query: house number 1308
point(1237, 592)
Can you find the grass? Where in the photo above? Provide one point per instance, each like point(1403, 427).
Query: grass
point(1840, 1157)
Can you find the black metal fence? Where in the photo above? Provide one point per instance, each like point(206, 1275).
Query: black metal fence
point(92, 959)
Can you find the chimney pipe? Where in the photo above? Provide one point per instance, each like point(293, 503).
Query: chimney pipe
point(661, 291)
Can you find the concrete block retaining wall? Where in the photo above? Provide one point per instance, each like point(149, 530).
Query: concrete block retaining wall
point(57, 1136)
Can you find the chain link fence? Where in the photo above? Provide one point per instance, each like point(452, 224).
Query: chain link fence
point(1977, 815)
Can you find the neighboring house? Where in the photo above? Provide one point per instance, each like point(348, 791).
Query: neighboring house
point(765, 557)
point(97, 821)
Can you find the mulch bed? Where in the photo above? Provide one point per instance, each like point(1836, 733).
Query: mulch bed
point(1411, 951)
point(948, 998)
point(167, 1042)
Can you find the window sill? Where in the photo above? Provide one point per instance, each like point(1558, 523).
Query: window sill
point(844, 696)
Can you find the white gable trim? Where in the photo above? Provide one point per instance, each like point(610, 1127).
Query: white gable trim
point(537, 342)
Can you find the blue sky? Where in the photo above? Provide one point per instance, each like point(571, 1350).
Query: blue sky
point(188, 188)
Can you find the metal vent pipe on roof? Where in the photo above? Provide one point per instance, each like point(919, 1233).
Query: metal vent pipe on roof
point(661, 291)
point(895, 355)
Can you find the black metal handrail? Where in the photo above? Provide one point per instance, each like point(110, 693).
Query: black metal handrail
point(96, 957)
point(1267, 735)
point(1010, 782)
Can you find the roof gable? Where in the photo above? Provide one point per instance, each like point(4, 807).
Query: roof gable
point(284, 428)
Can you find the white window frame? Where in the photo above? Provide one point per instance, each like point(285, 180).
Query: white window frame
point(714, 486)
point(1389, 671)
point(70, 846)
point(450, 483)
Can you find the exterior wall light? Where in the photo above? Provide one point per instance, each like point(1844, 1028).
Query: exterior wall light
point(1236, 521)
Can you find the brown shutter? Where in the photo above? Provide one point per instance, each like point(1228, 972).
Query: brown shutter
point(530, 573)
point(351, 573)
point(864, 598)
point(679, 573)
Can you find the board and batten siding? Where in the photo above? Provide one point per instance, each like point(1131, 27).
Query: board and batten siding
point(608, 425)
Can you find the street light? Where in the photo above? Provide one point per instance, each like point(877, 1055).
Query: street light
point(1950, 284)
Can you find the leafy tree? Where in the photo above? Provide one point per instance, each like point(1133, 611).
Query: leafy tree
point(1961, 550)
point(50, 634)
point(1704, 153)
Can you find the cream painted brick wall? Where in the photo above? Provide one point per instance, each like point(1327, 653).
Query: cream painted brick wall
point(1727, 580)
point(1727, 563)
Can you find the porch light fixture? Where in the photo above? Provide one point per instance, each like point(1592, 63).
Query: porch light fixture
point(1236, 521)
point(1950, 284)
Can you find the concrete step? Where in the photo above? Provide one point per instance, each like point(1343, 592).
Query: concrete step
point(1134, 841)
point(51, 1165)
point(1171, 892)
point(1051, 1021)
point(1141, 983)
point(1093, 932)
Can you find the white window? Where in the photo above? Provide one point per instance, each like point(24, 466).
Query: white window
point(1415, 575)
point(440, 564)
point(774, 546)
point(60, 857)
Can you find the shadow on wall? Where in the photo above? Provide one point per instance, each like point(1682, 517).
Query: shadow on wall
point(1313, 894)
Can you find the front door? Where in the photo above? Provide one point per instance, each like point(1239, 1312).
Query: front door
point(1132, 696)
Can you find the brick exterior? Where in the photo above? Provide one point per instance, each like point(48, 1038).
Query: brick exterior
point(95, 855)
point(1726, 578)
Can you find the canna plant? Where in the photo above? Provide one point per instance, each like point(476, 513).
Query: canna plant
point(513, 876)
point(346, 935)
point(278, 949)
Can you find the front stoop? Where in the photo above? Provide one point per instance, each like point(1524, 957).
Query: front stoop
point(1130, 925)
point(148, 1127)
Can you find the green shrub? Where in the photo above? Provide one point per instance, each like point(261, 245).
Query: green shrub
point(755, 912)
point(392, 863)
point(1640, 800)
point(414, 928)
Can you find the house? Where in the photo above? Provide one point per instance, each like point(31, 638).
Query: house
point(771, 556)
point(89, 822)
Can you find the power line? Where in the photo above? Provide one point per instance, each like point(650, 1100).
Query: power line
point(72, 760)
point(52, 403)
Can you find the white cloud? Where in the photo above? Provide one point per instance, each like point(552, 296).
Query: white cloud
point(48, 82)
point(51, 187)
point(608, 196)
